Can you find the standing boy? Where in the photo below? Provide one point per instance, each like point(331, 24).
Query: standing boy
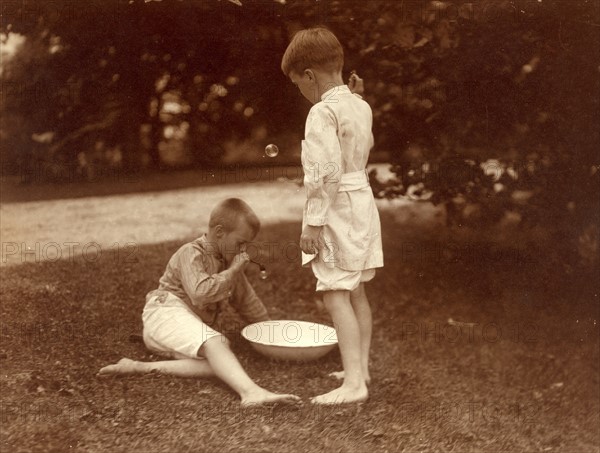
point(341, 235)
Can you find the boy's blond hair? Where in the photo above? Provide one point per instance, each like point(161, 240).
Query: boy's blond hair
point(316, 48)
point(229, 212)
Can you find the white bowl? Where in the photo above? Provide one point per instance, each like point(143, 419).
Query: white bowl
point(291, 340)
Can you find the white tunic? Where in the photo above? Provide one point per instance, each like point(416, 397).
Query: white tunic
point(335, 151)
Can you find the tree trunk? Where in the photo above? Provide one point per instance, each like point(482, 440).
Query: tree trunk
point(156, 134)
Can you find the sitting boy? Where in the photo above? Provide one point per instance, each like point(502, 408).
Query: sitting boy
point(200, 277)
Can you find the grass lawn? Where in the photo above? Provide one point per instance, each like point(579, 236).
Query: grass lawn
point(474, 349)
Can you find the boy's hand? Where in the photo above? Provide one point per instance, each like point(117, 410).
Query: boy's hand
point(356, 84)
point(239, 261)
point(310, 240)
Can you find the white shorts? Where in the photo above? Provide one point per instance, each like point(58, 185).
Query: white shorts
point(334, 278)
point(173, 330)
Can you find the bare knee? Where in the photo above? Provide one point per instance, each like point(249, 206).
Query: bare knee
point(336, 298)
point(216, 342)
point(358, 292)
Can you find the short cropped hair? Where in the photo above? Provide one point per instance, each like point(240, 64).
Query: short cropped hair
point(229, 212)
point(313, 48)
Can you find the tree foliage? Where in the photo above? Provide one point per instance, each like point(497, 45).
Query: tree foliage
point(475, 101)
point(96, 82)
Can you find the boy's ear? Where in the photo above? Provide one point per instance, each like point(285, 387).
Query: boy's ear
point(310, 74)
point(219, 231)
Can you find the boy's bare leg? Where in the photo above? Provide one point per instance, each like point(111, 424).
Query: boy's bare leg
point(354, 388)
point(186, 368)
point(362, 310)
point(220, 362)
point(227, 367)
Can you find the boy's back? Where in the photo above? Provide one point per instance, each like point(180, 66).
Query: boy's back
point(335, 152)
point(353, 120)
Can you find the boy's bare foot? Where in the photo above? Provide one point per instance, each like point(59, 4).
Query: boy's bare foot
point(342, 395)
point(262, 396)
point(122, 367)
point(340, 375)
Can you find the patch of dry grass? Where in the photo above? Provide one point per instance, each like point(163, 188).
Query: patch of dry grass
point(516, 368)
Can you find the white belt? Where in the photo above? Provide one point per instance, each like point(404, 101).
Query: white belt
point(353, 181)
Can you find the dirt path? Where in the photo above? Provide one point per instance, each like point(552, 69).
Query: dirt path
point(49, 230)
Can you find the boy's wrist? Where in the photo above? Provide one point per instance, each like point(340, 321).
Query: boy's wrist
point(315, 227)
point(312, 230)
point(235, 268)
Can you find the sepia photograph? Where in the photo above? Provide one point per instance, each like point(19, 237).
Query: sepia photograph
point(325, 226)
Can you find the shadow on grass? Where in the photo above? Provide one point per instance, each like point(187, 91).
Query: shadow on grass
point(477, 346)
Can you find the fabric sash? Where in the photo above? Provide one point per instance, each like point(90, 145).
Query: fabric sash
point(356, 180)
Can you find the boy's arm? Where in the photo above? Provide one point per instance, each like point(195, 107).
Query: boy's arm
point(202, 287)
point(246, 302)
point(322, 164)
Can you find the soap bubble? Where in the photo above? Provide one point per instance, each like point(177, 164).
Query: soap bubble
point(271, 150)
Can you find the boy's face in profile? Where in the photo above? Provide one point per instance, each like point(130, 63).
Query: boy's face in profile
point(306, 83)
point(234, 242)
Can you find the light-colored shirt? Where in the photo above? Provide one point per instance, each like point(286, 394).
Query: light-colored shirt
point(338, 140)
point(335, 151)
point(196, 274)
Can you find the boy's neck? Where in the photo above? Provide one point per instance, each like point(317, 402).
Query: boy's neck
point(326, 81)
